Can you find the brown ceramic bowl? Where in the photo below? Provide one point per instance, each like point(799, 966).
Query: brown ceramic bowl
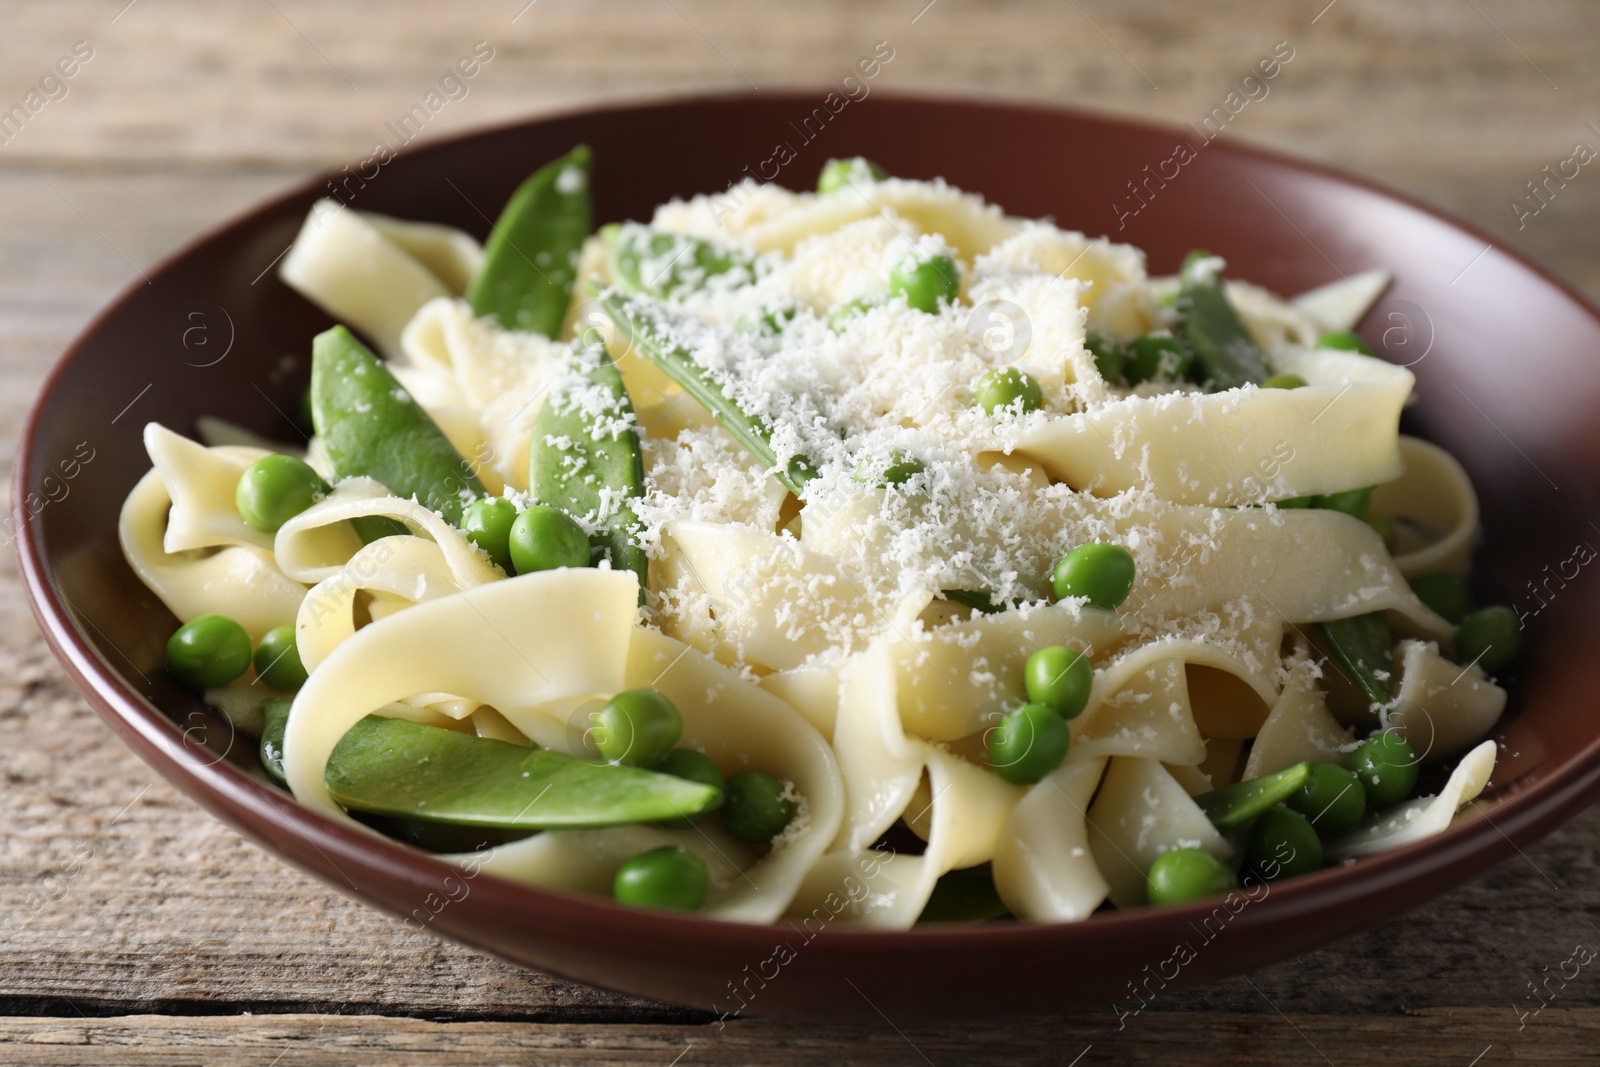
point(1507, 378)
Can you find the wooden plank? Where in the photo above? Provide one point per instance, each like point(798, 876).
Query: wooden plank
point(117, 895)
point(1443, 1037)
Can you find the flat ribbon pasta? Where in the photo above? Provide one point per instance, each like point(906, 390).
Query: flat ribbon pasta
point(739, 727)
point(1140, 812)
point(1043, 867)
point(1434, 510)
point(1415, 820)
point(1238, 446)
point(218, 571)
point(1441, 707)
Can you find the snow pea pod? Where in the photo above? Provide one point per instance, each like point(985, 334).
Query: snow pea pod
point(275, 711)
point(530, 260)
point(1364, 648)
point(584, 457)
point(752, 431)
point(369, 425)
point(662, 265)
point(1236, 804)
point(1228, 356)
point(399, 768)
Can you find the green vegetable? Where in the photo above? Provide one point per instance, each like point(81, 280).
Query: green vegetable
point(275, 714)
point(1059, 678)
point(696, 767)
point(680, 366)
point(1282, 844)
point(1227, 354)
point(1490, 637)
point(1365, 651)
point(601, 465)
point(1029, 743)
point(1346, 340)
point(1284, 381)
point(544, 538)
point(667, 877)
point(531, 258)
point(1157, 357)
point(964, 896)
point(1236, 804)
point(663, 265)
point(278, 660)
point(1386, 767)
point(838, 173)
point(754, 808)
point(1298, 502)
point(897, 468)
point(276, 488)
point(487, 524)
point(208, 651)
point(404, 769)
point(637, 727)
point(1384, 529)
point(926, 283)
point(1002, 389)
point(849, 310)
point(1101, 571)
point(1352, 502)
point(1446, 594)
point(1108, 357)
point(369, 425)
point(1332, 798)
point(1186, 874)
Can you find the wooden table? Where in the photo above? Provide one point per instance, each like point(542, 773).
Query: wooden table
point(136, 929)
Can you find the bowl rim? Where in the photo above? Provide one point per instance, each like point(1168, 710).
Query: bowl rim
point(229, 792)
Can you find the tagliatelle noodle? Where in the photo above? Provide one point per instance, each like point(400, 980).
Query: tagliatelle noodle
point(1043, 867)
point(1441, 707)
point(1141, 812)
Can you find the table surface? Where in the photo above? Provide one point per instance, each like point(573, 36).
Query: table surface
point(134, 928)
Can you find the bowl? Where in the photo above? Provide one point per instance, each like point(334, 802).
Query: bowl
point(214, 332)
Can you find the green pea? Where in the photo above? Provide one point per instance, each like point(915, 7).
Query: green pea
point(208, 651)
point(1387, 768)
point(1108, 357)
point(754, 808)
point(694, 766)
point(1385, 529)
point(926, 283)
point(1282, 844)
point(899, 469)
point(487, 524)
point(1352, 502)
point(838, 173)
point(666, 877)
point(637, 727)
point(1490, 637)
point(544, 538)
point(1186, 874)
point(1003, 388)
point(278, 660)
point(1157, 357)
point(1446, 594)
point(1345, 340)
point(1029, 743)
point(1059, 678)
point(1101, 571)
point(276, 488)
point(1332, 798)
point(1285, 381)
point(849, 310)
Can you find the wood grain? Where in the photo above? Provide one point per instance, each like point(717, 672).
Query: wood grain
point(134, 929)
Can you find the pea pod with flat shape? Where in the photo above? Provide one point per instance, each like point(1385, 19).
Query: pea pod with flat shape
point(584, 457)
point(1236, 804)
point(1228, 356)
point(1365, 650)
point(530, 261)
point(653, 342)
point(369, 425)
point(400, 768)
point(662, 265)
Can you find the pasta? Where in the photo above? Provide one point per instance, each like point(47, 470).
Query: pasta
point(921, 538)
